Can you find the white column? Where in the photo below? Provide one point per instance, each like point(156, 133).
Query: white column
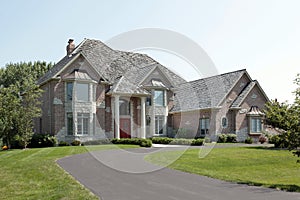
point(117, 117)
point(152, 114)
point(143, 117)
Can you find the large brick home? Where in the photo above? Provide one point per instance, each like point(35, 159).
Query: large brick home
point(96, 92)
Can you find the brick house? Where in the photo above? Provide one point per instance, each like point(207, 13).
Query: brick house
point(95, 92)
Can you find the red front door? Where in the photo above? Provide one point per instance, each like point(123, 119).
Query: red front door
point(125, 128)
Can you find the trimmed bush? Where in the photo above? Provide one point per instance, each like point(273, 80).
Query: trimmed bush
point(134, 141)
point(63, 143)
point(231, 138)
point(249, 140)
point(97, 142)
point(161, 140)
point(76, 143)
point(42, 140)
point(181, 142)
point(222, 138)
point(227, 138)
point(197, 142)
point(146, 143)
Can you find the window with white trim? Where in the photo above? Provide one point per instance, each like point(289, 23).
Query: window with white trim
point(70, 123)
point(82, 123)
point(82, 92)
point(255, 125)
point(159, 98)
point(69, 91)
point(159, 124)
point(204, 126)
point(224, 122)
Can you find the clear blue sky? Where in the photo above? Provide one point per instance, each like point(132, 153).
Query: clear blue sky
point(262, 36)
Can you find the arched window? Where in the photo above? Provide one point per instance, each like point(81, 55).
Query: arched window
point(124, 107)
point(224, 122)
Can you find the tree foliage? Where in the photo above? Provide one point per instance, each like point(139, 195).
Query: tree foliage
point(19, 100)
point(287, 117)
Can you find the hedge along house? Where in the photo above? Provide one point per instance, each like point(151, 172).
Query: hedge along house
point(95, 92)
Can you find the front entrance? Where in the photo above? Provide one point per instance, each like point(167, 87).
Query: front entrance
point(125, 128)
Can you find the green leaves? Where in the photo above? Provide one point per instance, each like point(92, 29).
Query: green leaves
point(19, 100)
point(287, 118)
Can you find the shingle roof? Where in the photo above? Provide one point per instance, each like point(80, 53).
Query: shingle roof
point(112, 64)
point(237, 102)
point(206, 92)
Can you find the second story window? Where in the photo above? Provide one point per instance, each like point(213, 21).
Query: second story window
point(69, 91)
point(159, 98)
point(82, 91)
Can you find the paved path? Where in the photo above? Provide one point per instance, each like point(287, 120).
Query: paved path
point(108, 174)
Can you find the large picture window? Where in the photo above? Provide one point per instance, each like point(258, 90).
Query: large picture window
point(255, 125)
point(159, 98)
point(159, 124)
point(204, 126)
point(82, 91)
point(82, 123)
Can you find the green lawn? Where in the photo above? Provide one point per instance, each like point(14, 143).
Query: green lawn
point(250, 165)
point(34, 174)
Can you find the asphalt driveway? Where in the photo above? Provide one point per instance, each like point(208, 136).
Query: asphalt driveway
point(124, 175)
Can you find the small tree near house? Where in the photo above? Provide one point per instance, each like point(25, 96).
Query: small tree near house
point(29, 109)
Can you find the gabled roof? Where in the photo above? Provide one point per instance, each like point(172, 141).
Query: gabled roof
point(242, 96)
point(112, 64)
point(205, 93)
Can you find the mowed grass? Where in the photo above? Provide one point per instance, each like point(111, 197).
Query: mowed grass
point(248, 165)
point(34, 174)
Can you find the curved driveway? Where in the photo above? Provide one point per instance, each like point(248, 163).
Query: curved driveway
point(108, 174)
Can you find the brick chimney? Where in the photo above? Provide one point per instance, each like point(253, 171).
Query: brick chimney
point(70, 46)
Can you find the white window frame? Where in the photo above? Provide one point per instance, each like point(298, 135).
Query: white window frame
point(159, 124)
point(255, 125)
point(83, 123)
point(69, 98)
point(84, 90)
point(155, 98)
point(226, 120)
point(204, 124)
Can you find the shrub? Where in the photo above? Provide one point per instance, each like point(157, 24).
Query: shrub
point(42, 140)
point(262, 139)
point(135, 141)
point(197, 142)
point(222, 138)
point(279, 141)
point(63, 143)
point(161, 140)
point(146, 143)
point(249, 140)
point(97, 142)
point(231, 138)
point(181, 142)
point(75, 143)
